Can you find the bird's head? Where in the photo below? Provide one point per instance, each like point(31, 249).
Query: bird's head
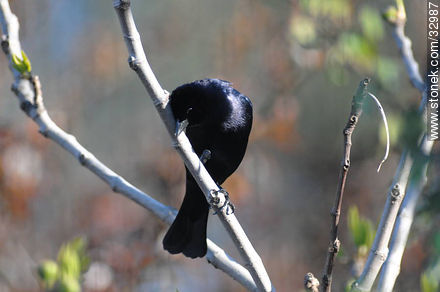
point(200, 101)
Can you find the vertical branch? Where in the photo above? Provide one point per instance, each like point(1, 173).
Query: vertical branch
point(405, 218)
point(10, 27)
point(138, 62)
point(404, 44)
point(417, 181)
point(379, 252)
point(356, 111)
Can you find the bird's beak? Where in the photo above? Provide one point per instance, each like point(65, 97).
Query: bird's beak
point(181, 127)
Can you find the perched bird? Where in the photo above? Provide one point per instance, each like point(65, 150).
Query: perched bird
point(219, 119)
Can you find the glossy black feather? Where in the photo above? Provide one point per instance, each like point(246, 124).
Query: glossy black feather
point(220, 120)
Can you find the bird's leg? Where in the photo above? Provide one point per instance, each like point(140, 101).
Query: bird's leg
point(180, 127)
point(228, 204)
point(206, 155)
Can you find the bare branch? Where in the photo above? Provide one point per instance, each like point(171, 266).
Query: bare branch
point(28, 92)
point(138, 62)
point(404, 45)
point(10, 41)
point(379, 250)
point(417, 181)
point(396, 194)
point(356, 111)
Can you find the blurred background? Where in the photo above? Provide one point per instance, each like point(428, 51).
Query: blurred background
point(299, 61)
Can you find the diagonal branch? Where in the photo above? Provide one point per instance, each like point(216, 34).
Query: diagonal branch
point(417, 181)
point(356, 111)
point(404, 44)
point(138, 62)
point(379, 250)
point(29, 95)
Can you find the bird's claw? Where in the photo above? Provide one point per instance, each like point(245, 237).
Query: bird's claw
point(206, 155)
point(230, 208)
point(180, 127)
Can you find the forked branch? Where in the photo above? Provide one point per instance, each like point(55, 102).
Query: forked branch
point(28, 91)
point(396, 194)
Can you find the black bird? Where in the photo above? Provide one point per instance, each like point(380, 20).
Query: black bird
point(219, 120)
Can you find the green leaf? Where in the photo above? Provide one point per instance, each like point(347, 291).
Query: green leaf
point(22, 65)
point(303, 29)
point(388, 72)
point(371, 23)
point(428, 283)
point(69, 261)
point(333, 9)
point(348, 285)
point(26, 62)
point(390, 14)
point(355, 50)
point(395, 126)
point(72, 257)
point(361, 229)
point(413, 127)
point(48, 272)
point(69, 284)
point(395, 13)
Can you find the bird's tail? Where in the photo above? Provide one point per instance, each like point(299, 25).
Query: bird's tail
point(187, 234)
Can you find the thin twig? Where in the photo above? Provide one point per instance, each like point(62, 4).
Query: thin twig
point(384, 119)
point(138, 62)
point(31, 101)
point(404, 44)
point(356, 111)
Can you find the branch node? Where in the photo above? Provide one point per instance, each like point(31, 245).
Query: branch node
point(38, 94)
point(26, 106)
point(82, 159)
point(220, 202)
point(382, 254)
point(115, 188)
point(346, 165)
point(335, 212)
point(133, 63)
point(353, 119)
point(336, 245)
point(5, 45)
point(121, 4)
point(206, 155)
point(395, 192)
point(311, 283)
point(44, 132)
